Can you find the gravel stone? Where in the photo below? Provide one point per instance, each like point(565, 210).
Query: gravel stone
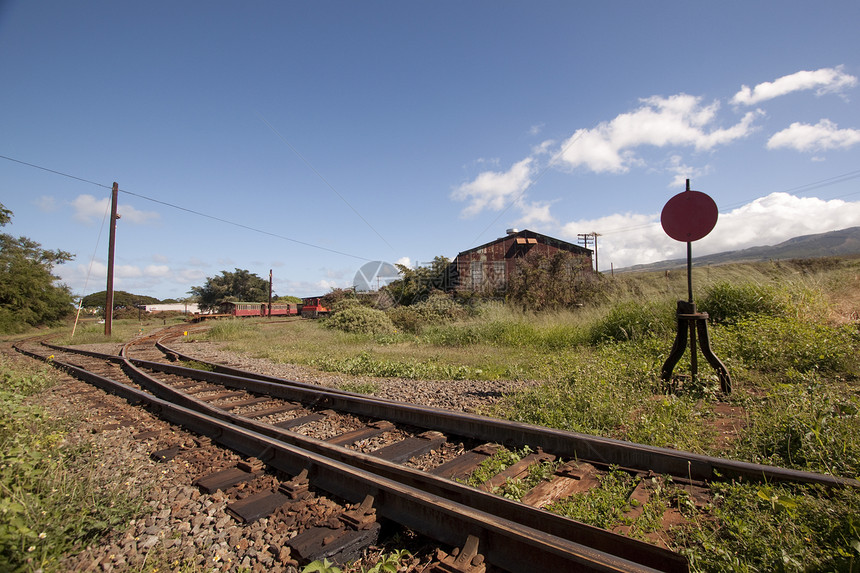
point(184, 529)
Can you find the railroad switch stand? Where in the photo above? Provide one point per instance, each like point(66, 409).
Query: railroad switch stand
point(688, 217)
point(694, 322)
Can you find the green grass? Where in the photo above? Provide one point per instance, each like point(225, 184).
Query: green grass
point(604, 506)
point(122, 330)
point(785, 331)
point(50, 498)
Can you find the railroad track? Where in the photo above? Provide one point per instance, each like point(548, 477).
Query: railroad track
point(405, 463)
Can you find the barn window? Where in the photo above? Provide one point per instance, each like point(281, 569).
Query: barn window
point(499, 274)
point(477, 274)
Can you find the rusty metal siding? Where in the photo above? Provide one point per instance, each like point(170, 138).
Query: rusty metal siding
point(480, 265)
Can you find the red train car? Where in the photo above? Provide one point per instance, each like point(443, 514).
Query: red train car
point(283, 309)
point(312, 307)
point(259, 309)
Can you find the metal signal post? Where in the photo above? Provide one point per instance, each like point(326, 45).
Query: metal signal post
point(688, 217)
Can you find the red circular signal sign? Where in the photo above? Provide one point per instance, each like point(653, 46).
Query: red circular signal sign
point(689, 216)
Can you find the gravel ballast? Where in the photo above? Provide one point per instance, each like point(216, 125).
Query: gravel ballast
point(181, 528)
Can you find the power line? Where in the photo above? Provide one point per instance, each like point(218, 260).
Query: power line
point(807, 187)
point(242, 226)
point(192, 211)
point(324, 180)
point(55, 172)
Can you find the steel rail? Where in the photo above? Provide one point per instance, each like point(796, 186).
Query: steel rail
point(510, 545)
point(229, 370)
point(571, 445)
point(630, 549)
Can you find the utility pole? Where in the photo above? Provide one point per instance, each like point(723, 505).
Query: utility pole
point(586, 239)
point(109, 297)
point(270, 293)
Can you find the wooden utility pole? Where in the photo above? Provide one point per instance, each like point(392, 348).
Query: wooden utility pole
point(586, 239)
point(109, 297)
point(270, 293)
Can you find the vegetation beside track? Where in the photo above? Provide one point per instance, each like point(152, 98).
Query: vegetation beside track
point(787, 332)
point(53, 498)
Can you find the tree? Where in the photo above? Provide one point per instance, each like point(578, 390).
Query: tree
point(417, 284)
point(239, 286)
point(548, 281)
point(29, 295)
point(121, 299)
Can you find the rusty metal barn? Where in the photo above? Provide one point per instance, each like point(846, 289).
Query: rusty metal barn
point(489, 266)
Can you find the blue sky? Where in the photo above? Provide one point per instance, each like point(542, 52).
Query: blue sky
point(312, 137)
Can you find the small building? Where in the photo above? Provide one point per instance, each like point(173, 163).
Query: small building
point(490, 266)
point(187, 308)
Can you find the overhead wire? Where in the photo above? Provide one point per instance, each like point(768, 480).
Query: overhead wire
point(187, 210)
point(90, 268)
point(324, 180)
point(806, 187)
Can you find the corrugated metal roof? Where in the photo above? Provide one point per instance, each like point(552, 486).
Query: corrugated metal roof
point(529, 237)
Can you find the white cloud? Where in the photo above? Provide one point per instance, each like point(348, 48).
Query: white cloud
point(494, 189)
point(535, 213)
point(632, 238)
point(825, 80)
point(46, 204)
point(624, 239)
point(675, 164)
point(156, 271)
point(88, 209)
point(819, 137)
point(679, 120)
point(189, 277)
point(781, 216)
point(405, 261)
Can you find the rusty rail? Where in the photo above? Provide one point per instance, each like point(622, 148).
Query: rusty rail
point(572, 445)
point(514, 546)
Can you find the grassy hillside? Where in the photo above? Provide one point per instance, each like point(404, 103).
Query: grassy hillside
point(841, 243)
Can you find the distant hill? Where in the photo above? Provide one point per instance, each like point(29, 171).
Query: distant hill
point(120, 299)
point(834, 243)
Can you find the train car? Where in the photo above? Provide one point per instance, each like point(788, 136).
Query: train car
point(259, 309)
point(283, 309)
point(312, 307)
point(243, 308)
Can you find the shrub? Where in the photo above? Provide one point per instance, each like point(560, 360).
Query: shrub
point(234, 329)
point(437, 309)
point(806, 426)
point(544, 281)
point(359, 319)
point(729, 303)
point(631, 321)
point(771, 343)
